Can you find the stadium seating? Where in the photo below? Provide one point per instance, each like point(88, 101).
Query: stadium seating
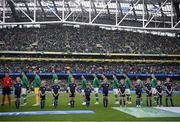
point(86, 39)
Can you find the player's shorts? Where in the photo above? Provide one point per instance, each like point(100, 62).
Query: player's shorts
point(128, 91)
point(36, 91)
point(87, 98)
point(56, 97)
point(43, 97)
point(122, 95)
point(6, 90)
point(138, 95)
point(115, 91)
point(96, 90)
point(23, 91)
point(72, 94)
point(159, 96)
point(148, 94)
point(168, 95)
point(105, 94)
point(17, 95)
point(154, 91)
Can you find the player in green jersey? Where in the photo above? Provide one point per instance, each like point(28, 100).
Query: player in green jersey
point(96, 88)
point(70, 77)
point(54, 76)
point(25, 87)
point(115, 85)
point(128, 88)
point(83, 86)
point(154, 84)
point(69, 81)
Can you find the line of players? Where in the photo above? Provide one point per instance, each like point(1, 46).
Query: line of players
point(152, 87)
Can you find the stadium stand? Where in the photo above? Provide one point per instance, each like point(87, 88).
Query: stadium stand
point(90, 67)
point(86, 39)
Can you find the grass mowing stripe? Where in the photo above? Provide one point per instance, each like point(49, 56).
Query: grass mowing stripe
point(102, 114)
point(29, 95)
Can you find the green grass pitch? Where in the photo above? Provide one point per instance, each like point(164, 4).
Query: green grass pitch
point(102, 114)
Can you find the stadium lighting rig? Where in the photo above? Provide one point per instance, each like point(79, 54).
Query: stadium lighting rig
point(160, 15)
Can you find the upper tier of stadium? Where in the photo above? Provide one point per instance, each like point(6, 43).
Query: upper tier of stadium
point(87, 39)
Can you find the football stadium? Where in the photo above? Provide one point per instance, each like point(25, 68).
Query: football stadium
point(89, 60)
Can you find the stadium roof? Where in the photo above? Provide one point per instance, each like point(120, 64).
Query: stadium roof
point(137, 14)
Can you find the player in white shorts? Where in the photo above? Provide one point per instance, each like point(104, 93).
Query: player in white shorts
point(83, 86)
point(154, 91)
point(25, 87)
point(115, 85)
point(128, 87)
point(96, 88)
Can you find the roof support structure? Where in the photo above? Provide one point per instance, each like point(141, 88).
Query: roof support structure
point(55, 8)
point(93, 13)
point(52, 11)
point(176, 24)
point(146, 10)
point(162, 14)
point(27, 7)
point(68, 7)
point(13, 10)
point(34, 11)
point(4, 11)
point(94, 7)
point(100, 11)
point(155, 13)
point(128, 12)
point(42, 9)
point(107, 7)
point(134, 12)
point(120, 9)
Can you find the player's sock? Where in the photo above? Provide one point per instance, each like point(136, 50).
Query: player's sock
point(128, 98)
point(147, 102)
point(166, 101)
point(139, 101)
point(73, 102)
point(124, 102)
point(97, 98)
point(171, 100)
point(36, 97)
point(87, 104)
point(16, 104)
point(155, 98)
point(9, 99)
point(3, 99)
point(150, 102)
point(160, 101)
point(43, 103)
point(120, 102)
point(56, 103)
point(116, 97)
point(104, 102)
